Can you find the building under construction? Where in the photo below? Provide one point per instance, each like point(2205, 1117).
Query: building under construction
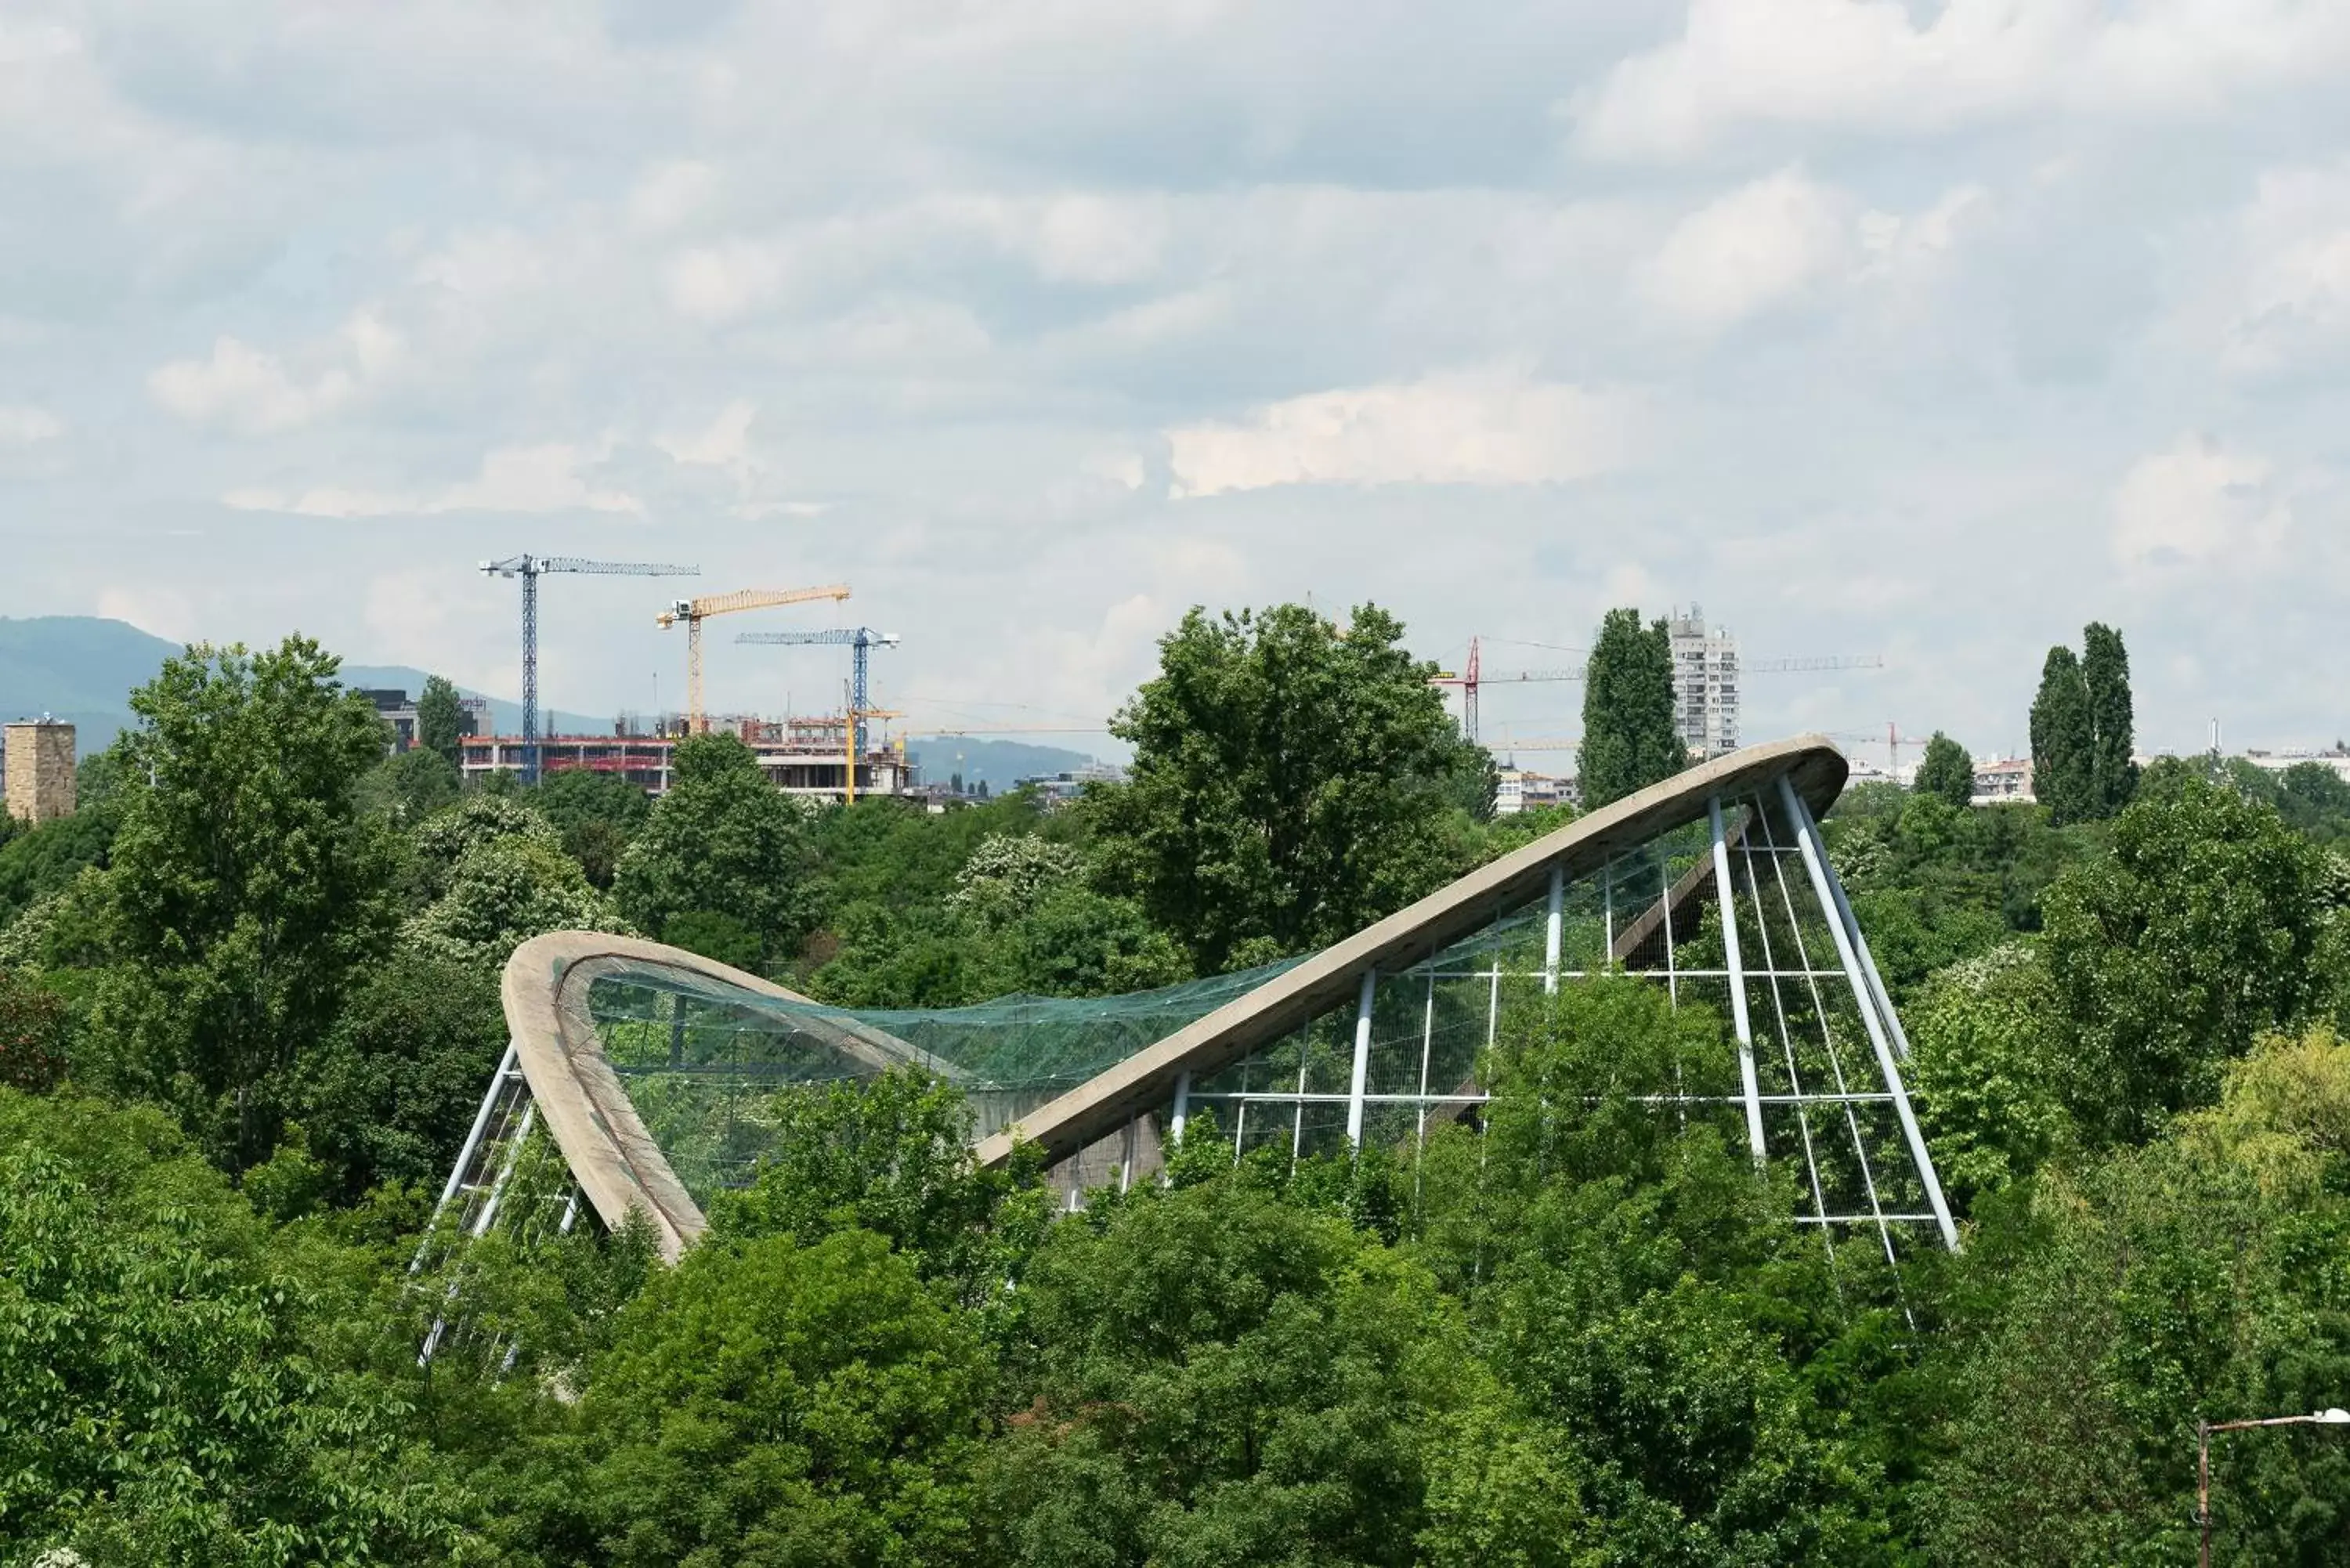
point(806, 756)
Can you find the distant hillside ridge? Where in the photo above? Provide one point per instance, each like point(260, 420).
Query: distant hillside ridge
point(81, 669)
point(999, 764)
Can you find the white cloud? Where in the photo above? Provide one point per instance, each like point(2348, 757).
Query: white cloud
point(22, 424)
point(244, 389)
point(1885, 66)
point(2284, 298)
point(1487, 426)
point(250, 392)
point(1090, 239)
point(725, 444)
point(1761, 245)
point(671, 193)
point(718, 282)
point(2199, 504)
point(544, 477)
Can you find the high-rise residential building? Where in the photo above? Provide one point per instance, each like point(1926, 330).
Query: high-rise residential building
point(1705, 684)
point(40, 765)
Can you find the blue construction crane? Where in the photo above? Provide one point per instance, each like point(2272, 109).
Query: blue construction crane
point(530, 568)
point(860, 640)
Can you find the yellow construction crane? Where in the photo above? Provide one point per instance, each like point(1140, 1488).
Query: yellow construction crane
point(693, 612)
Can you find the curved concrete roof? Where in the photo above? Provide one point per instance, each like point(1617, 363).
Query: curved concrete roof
point(619, 1168)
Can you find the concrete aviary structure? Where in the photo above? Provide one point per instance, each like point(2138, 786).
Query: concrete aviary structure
point(652, 1070)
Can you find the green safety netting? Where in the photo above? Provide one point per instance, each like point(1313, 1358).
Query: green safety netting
point(702, 1059)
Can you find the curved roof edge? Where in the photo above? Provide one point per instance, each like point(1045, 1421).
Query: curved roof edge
point(619, 1168)
point(1328, 979)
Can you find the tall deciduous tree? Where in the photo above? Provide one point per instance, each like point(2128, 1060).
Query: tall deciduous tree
point(441, 718)
point(1290, 782)
point(2063, 740)
point(2105, 672)
point(722, 840)
point(1947, 772)
point(247, 885)
point(1629, 741)
point(2199, 931)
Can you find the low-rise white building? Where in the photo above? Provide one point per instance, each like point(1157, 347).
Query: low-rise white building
point(1516, 790)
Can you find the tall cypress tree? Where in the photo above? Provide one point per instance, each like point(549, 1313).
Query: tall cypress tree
point(2063, 740)
point(2105, 671)
point(1629, 739)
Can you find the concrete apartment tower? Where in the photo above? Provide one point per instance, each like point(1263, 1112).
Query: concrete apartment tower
point(1705, 685)
point(40, 762)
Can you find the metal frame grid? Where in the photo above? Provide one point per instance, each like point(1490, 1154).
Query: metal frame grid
point(508, 1179)
point(1817, 1043)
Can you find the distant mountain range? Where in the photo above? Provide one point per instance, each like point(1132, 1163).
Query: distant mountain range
point(999, 764)
point(81, 669)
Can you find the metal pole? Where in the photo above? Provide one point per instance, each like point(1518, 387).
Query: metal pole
point(1427, 1045)
point(1868, 963)
point(2203, 1486)
point(1363, 1054)
point(1182, 1104)
point(1807, 842)
point(1728, 902)
point(1551, 930)
point(529, 670)
point(465, 1150)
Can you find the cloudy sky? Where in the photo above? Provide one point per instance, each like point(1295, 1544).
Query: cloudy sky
point(1931, 330)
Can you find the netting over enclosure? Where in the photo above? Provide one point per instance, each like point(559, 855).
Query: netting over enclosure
point(702, 1059)
point(658, 1072)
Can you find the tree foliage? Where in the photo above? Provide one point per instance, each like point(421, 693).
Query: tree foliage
point(2105, 672)
point(2200, 930)
point(163, 1397)
point(2064, 741)
point(1946, 771)
point(441, 721)
point(1290, 782)
point(722, 840)
point(246, 886)
point(769, 1403)
point(1629, 739)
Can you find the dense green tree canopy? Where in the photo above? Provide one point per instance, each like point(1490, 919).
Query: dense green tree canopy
point(595, 812)
point(1291, 782)
point(2105, 672)
point(1629, 739)
point(440, 720)
point(1946, 771)
point(722, 840)
point(246, 886)
point(163, 1393)
point(769, 1403)
point(2202, 929)
point(2064, 741)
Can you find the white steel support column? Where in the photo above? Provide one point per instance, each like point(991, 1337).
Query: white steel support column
point(1728, 903)
point(1182, 1106)
point(1807, 840)
point(1551, 930)
point(1868, 961)
point(1362, 1057)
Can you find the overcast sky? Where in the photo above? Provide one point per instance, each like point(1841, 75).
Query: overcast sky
point(1927, 330)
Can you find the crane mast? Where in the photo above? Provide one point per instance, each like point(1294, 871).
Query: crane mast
point(861, 642)
point(530, 568)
